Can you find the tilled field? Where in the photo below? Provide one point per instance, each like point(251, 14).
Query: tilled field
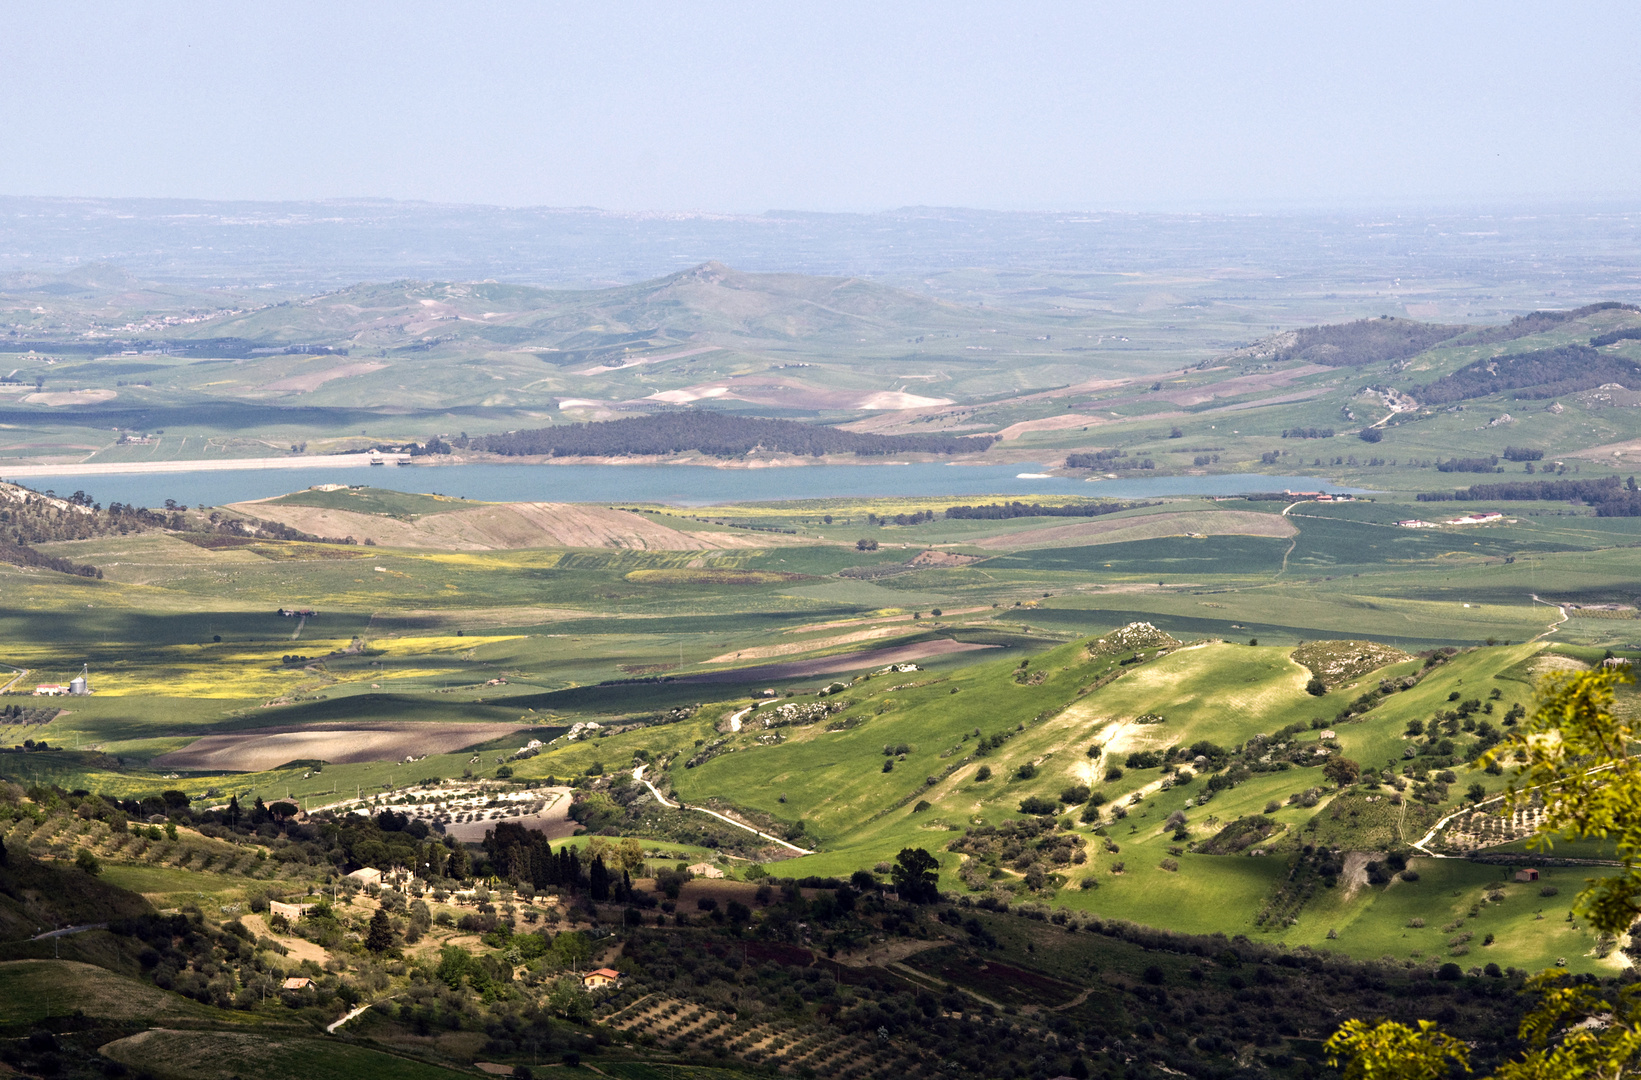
point(337, 744)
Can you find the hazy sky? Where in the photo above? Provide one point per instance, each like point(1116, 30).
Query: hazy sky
point(828, 106)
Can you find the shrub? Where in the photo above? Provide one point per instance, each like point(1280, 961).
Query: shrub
point(1548, 890)
point(1036, 804)
point(1075, 794)
point(1025, 771)
point(1316, 687)
point(1114, 773)
point(982, 774)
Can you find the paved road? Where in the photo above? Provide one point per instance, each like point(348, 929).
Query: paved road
point(331, 1030)
point(65, 931)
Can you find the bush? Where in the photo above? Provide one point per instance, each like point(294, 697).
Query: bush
point(1036, 804)
point(1548, 890)
point(1025, 772)
point(1316, 687)
point(1450, 972)
point(1076, 794)
point(982, 774)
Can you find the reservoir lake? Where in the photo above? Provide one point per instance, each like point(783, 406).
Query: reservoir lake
point(679, 485)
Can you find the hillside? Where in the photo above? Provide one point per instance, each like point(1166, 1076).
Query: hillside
point(583, 325)
point(501, 526)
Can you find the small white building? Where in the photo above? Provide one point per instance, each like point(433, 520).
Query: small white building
point(291, 912)
point(366, 876)
point(706, 870)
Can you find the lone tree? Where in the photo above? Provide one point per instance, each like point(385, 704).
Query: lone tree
point(916, 875)
point(1342, 771)
point(1316, 687)
point(381, 937)
point(1581, 762)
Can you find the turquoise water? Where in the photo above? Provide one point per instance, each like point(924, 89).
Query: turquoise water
point(682, 485)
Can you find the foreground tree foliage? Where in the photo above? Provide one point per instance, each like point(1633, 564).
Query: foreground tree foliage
point(1577, 758)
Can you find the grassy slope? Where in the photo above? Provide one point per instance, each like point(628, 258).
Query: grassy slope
point(220, 1055)
point(31, 990)
point(1223, 693)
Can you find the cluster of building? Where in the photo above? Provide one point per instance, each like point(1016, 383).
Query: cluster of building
point(402, 880)
point(79, 686)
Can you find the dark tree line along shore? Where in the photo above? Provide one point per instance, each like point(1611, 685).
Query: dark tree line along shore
point(717, 434)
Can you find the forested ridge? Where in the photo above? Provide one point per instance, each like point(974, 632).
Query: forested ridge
point(717, 434)
point(1610, 496)
point(1366, 341)
point(1536, 322)
point(28, 517)
point(1544, 373)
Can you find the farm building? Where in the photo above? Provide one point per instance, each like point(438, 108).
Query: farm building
point(1417, 523)
point(50, 690)
point(1527, 874)
point(706, 870)
point(593, 980)
point(1616, 662)
point(1478, 519)
point(366, 876)
point(296, 982)
point(291, 912)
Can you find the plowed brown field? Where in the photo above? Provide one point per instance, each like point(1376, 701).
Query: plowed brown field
point(338, 744)
point(504, 526)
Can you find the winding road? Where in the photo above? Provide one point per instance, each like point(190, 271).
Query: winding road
point(638, 774)
point(10, 682)
point(1557, 624)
